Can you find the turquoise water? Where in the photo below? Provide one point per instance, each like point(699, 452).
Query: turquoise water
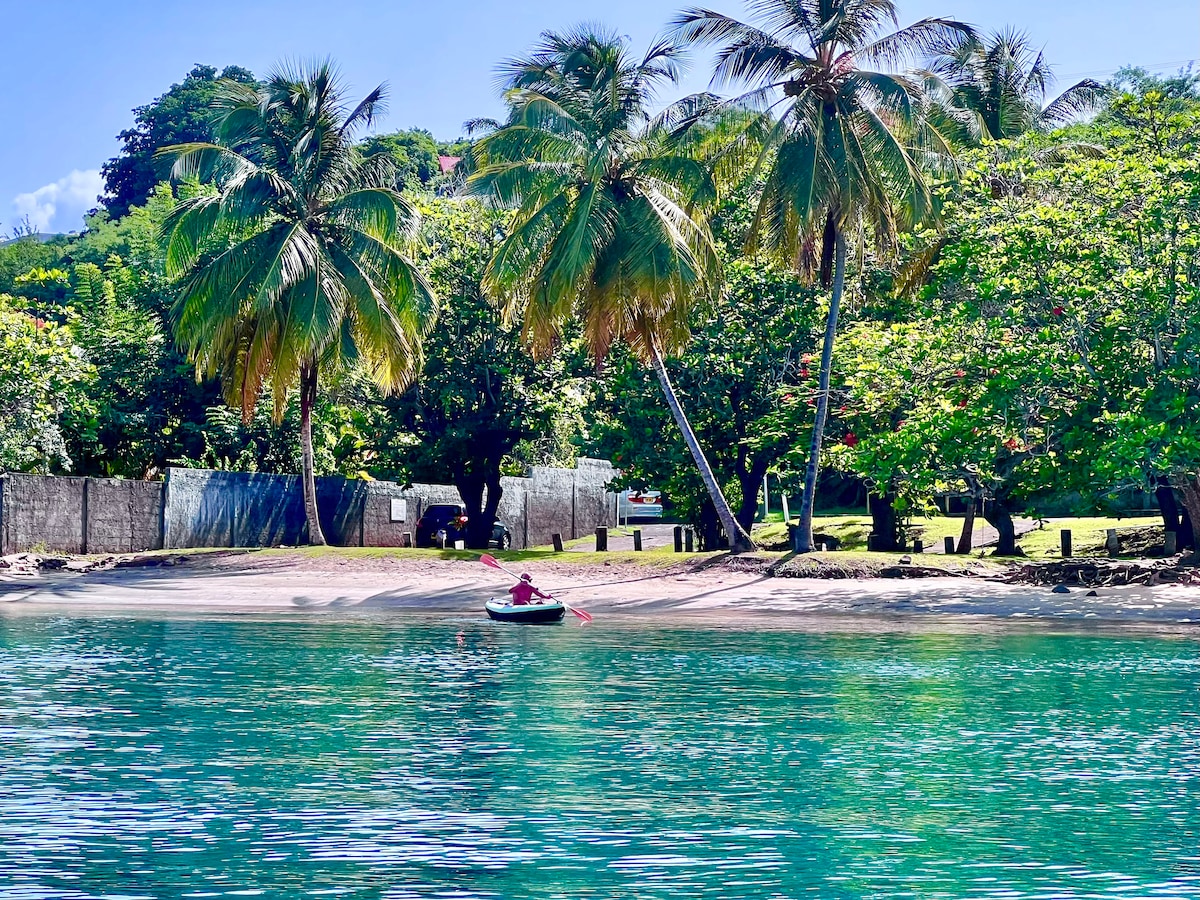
point(405, 758)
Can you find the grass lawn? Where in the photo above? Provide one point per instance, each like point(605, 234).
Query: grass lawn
point(852, 531)
point(1085, 532)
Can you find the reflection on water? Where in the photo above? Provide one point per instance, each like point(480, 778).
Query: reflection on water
point(389, 759)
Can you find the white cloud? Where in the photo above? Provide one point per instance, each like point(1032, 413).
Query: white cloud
point(59, 206)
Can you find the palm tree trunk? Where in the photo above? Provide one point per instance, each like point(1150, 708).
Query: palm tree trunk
point(739, 540)
point(308, 399)
point(804, 533)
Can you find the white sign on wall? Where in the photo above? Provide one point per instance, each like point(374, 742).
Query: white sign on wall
point(399, 509)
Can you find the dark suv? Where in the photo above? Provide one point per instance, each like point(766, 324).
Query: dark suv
point(451, 518)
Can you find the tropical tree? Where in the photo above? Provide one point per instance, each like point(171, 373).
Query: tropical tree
point(1001, 81)
point(183, 113)
point(43, 391)
point(608, 224)
point(846, 156)
point(295, 263)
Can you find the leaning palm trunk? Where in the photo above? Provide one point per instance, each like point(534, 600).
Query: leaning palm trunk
point(739, 540)
point(804, 533)
point(308, 399)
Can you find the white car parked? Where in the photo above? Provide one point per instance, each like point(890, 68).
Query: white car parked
point(639, 505)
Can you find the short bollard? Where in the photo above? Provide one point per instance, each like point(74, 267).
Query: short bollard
point(637, 540)
point(949, 545)
point(601, 539)
point(406, 539)
point(1066, 542)
point(1170, 543)
point(678, 538)
point(918, 545)
point(689, 545)
point(1112, 543)
point(556, 539)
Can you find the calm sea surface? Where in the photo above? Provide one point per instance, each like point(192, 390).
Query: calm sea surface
point(404, 758)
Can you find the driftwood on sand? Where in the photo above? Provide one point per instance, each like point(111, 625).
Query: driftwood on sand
point(1096, 572)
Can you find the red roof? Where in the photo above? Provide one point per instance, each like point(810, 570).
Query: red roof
point(447, 163)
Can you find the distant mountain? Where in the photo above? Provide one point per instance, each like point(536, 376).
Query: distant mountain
point(40, 238)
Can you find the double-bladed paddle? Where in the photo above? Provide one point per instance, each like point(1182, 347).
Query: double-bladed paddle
point(488, 560)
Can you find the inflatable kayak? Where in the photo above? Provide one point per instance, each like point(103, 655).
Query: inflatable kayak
point(529, 614)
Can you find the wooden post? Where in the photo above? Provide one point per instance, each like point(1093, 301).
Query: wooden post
point(1065, 537)
point(949, 545)
point(1112, 543)
point(689, 545)
point(601, 539)
point(1170, 543)
point(678, 538)
point(637, 540)
point(918, 545)
point(556, 539)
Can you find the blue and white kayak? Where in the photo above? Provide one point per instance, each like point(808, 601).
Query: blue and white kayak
point(546, 613)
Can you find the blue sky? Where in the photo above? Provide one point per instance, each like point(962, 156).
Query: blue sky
point(71, 70)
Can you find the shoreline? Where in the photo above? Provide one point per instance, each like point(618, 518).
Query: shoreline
point(282, 583)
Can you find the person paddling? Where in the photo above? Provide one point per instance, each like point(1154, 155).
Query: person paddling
point(523, 591)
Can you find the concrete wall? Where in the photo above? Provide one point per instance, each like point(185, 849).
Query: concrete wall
point(204, 508)
point(123, 516)
point(79, 515)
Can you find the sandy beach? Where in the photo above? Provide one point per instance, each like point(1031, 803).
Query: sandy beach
point(279, 583)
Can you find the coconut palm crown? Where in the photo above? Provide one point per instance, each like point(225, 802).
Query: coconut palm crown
point(294, 263)
point(608, 225)
point(849, 144)
point(1002, 82)
point(843, 146)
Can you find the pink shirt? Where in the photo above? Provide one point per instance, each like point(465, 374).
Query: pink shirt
point(522, 592)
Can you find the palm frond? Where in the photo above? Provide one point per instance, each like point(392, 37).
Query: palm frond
point(925, 38)
point(1080, 99)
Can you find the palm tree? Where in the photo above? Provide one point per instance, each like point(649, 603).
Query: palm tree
point(845, 155)
point(1001, 81)
point(294, 264)
point(607, 227)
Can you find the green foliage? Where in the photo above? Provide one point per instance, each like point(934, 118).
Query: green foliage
point(1057, 351)
point(180, 116)
point(414, 154)
point(23, 255)
point(43, 383)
